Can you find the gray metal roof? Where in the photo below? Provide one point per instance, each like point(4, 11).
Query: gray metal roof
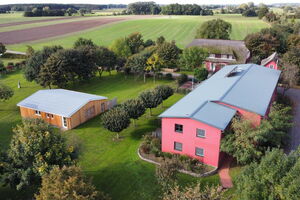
point(58, 101)
point(248, 86)
point(269, 59)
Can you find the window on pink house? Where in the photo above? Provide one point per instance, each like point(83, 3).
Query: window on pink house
point(178, 128)
point(200, 133)
point(177, 146)
point(199, 151)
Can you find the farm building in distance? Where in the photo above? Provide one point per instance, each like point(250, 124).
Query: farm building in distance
point(194, 125)
point(222, 52)
point(62, 108)
point(271, 61)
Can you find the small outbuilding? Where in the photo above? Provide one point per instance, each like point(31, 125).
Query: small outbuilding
point(65, 109)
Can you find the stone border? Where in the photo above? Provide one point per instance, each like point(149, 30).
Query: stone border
point(212, 172)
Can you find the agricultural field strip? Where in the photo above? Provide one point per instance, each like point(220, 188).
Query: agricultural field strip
point(37, 33)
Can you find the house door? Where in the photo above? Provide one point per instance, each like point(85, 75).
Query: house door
point(64, 122)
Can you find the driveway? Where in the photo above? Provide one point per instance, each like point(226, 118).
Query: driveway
point(294, 141)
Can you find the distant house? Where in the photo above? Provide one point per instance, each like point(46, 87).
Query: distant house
point(271, 61)
point(195, 124)
point(222, 52)
point(62, 108)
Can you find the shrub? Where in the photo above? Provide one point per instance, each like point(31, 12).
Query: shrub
point(201, 73)
point(182, 79)
point(169, 76)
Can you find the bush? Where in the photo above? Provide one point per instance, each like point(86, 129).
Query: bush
point(182, 79)
point(201, 74)
point(169, 76)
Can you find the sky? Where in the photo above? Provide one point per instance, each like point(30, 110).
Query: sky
point(201, 2)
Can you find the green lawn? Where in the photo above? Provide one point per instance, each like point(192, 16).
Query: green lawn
point(114, 166)
point(18, 17)
point(179, 28)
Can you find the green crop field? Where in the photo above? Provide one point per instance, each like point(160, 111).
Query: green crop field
point(179, 28)
point(115, 167)
point(18, 17)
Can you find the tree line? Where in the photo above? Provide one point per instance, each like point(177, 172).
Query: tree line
point(147, 8)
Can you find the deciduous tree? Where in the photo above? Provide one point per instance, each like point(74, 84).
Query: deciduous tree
point(274, 177)
point(151, 99)
point(164, 91)
point(193, 57)
point(35, 149)
point(168, 52)
point(83, 42)
point(121, 48)
point(116, 120)
point(135, 108)
point(214, 29)
point(201, 73)
point(2, 48)
point(135, 42)
point(5, 92)
point(193, 192)
point(68, 183)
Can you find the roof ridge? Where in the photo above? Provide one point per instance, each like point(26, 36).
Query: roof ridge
point(201, 106)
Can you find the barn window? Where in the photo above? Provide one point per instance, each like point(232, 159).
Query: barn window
point(199, 152)
point(178, 146)
point(37, 112)
point(50, 116)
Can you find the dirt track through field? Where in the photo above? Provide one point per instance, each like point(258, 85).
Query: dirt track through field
point(42, 32)
point(35, 21)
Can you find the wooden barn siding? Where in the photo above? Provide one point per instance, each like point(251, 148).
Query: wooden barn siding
point(29, 113)
point(79, 117)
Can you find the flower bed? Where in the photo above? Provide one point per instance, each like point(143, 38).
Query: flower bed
point(150, 150)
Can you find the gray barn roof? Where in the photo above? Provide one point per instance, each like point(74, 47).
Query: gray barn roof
point(215, 46)
point(247, 86)
point(58, 101)
point(269, 59)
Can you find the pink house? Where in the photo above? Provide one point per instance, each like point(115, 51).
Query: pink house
point(271, 61)
point(222, 52)
point(194, 125)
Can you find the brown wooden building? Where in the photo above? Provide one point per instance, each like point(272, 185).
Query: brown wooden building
point(63, 108)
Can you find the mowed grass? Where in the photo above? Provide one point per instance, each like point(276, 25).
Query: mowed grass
point(113, 165)
point(18, 17)
point(182, 29)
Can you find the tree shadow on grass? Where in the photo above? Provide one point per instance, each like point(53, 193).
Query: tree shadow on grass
point(127, 180)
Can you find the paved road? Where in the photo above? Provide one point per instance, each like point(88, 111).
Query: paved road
point(294, 142)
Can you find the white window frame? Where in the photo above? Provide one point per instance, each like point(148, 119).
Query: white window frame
point(200, 155)
point(177, 131)
point(200, 129)
point(37, 112)
point(175, 146)
point(63, 122)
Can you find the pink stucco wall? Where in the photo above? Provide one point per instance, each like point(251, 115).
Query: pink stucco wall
point(253, 117)
point(189, 140)
point(275, 66)
point(218, 65)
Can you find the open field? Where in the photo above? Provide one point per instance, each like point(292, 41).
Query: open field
point(37, 33)
point(34, 21)
point(179, 28)
point(18, 17)
point(114, 166)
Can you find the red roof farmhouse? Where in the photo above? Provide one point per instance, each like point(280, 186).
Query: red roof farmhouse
point(194, 125)
point(65, 109)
